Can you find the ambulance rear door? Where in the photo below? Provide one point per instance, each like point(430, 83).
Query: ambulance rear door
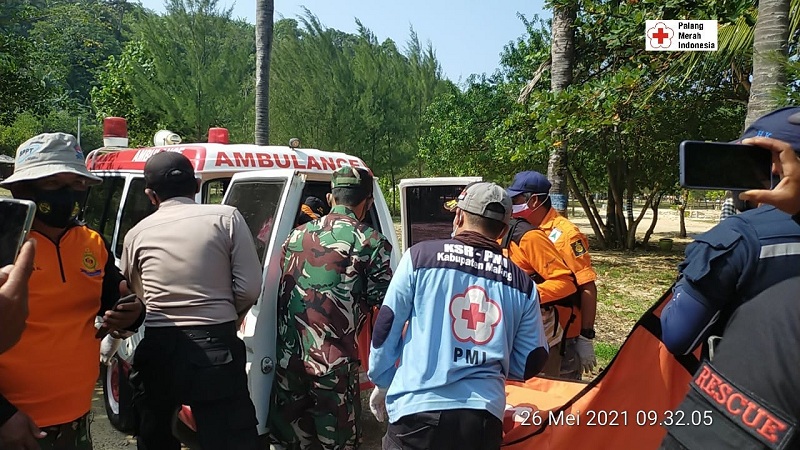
point(422, 213)
point(269, 201)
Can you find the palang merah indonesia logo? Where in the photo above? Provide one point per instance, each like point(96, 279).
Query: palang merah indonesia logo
point(681, 35)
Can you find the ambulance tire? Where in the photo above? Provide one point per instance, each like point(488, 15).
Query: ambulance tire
point(117, 395)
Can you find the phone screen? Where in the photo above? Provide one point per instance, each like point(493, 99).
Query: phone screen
point(724, 166)
point(15, 222)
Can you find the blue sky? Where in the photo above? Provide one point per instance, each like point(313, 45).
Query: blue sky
point(468, 35)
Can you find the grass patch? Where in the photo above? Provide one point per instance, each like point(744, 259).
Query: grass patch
point(628, 283)
point(605, 353)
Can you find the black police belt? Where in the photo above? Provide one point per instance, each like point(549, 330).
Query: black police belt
point(764, 422)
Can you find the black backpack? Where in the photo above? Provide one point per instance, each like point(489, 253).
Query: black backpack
point(517, 228)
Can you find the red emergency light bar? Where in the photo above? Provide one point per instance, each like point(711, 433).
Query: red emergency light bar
point(115, 132)
point(218, 135)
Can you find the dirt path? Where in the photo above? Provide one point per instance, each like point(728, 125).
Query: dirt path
point(105, 437)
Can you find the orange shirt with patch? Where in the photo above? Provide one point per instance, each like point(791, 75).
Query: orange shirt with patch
point(50, 374)
point(536, 253)
point(573, 246)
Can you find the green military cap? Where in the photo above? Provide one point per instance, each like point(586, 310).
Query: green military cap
point(353, 178)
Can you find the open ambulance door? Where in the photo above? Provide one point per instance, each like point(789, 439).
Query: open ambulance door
point(422, 213)
point(269, 201)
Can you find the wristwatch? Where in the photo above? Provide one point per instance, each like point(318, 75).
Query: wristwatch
point(588, 333)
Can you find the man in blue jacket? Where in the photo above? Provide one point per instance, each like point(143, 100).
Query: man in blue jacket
point(473, 321)
point(737, 259)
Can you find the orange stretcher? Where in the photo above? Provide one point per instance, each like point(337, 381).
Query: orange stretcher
point(623, 407)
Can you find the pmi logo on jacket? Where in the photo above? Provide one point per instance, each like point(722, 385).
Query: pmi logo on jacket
point(474, 316)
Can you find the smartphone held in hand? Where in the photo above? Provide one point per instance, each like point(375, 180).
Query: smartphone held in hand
point(724, 166)
point(102, 332)
point(16, 219)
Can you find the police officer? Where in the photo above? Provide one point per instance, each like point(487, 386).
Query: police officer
point(473, 321)
point(530, 194)
point(748, 395)
point(737, 259)
point(335, 269)
point(197, 269)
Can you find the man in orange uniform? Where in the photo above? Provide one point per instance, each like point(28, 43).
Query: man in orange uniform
point(531, 201)
point(530, 249)
point(47, 379)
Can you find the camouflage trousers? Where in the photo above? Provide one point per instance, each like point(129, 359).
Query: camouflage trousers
point(69, 436)
point(316, 412)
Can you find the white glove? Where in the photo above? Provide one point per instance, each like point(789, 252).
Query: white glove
point(585, 349)
point(377, 404)
point(108, 348)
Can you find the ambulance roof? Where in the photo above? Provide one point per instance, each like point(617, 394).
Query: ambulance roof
point(209, 158)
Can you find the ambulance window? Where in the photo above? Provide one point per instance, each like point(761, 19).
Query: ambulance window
point(102, 205)
point(425, 212)
point(214, 190)
point(137, 206)
point(258, 203)
point(322, 189)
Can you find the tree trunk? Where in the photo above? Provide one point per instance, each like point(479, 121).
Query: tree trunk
point(562, 53)
point(682, 213)
point(265, 10)
point(584, 200)
point(769, 56)
point(653, 222)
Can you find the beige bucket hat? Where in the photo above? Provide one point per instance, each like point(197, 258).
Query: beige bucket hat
point(49, 154)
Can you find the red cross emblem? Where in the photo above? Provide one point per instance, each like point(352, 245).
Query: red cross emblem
point(660, 36)
point(474, 316)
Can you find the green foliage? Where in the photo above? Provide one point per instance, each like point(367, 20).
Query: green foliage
point(352, 93)
point(25, 126)
point(72, 39)
point(461, 140)
point(20, 89)
point(197, 72)
point(114, 97)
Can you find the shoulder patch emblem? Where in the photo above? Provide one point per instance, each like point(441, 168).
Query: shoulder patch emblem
point(577, 248)
point(555, 234)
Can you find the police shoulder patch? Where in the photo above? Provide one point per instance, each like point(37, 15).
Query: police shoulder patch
point(578, 248)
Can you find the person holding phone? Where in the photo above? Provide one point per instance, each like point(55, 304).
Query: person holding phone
point(14, 296)
point(786, 195)
point(738, 258)
point(47, 379)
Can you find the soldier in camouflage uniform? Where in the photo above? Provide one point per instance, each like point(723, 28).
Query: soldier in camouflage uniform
point(335, 270)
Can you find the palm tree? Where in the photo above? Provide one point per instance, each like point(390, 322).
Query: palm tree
point(265, 10)
point(769, 57)
point(738, 44)
point(562, 56)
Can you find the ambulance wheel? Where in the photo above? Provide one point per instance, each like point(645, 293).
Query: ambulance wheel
point(117, 395)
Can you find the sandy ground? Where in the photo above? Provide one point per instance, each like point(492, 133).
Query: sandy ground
point(106, 438)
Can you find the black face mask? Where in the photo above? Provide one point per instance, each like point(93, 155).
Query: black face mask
point(56, 208)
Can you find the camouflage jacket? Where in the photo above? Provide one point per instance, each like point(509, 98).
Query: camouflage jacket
point(334, 270)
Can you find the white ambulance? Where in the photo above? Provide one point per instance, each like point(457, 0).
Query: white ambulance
point(268, 185)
